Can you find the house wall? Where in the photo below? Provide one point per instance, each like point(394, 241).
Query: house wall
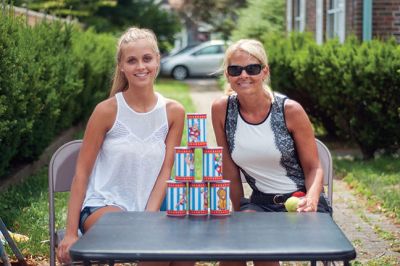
point(310, 16)
point(354, 18)
point(385, 17)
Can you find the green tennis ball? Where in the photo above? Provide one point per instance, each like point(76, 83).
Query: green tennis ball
point(291, 204)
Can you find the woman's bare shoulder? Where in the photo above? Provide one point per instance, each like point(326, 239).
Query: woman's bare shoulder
point(293, 108)
point(295, 116)
point(220, 103)
point(105, 113)
point(174, 106)
point(107, 107)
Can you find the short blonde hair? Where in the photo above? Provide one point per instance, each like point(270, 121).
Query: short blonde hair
point(252, 47)
point(120, 83)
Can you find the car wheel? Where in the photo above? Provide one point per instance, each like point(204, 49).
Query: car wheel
point(180, 73)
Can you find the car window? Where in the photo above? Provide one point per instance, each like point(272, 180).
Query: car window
point(183, 50)
point(214, 49)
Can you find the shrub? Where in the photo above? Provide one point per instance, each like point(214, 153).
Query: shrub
point(51, 76)
point(53, 83)
point(352, 89)
point(13, 107)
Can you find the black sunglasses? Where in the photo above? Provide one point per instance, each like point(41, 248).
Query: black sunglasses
point(253, 69)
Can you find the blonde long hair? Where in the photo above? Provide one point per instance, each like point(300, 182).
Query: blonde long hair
point(253, 48)
point(120, 83)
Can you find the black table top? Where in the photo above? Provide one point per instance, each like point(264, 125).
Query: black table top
point(131, 236)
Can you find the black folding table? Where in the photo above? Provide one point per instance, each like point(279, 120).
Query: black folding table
point(144, 236)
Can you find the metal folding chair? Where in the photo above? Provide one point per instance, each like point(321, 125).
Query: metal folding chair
point(61, 172)
point(326, 162)
point(13, 246)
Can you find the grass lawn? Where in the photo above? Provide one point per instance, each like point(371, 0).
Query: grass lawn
point(24, 207)
point(378, 180)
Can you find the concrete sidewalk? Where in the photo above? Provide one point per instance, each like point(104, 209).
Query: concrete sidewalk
point(358, 224)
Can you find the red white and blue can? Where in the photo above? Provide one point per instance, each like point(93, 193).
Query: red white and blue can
point(196, 130)
point(198, 198)
point(212, 164)
point(184, 164)
point(176, 198)
point(220, 203)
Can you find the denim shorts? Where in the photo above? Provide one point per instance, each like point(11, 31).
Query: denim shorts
point(85, 213)
point(247, 204)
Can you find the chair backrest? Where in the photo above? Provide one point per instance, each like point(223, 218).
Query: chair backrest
point(326, 162)
point(61, 172)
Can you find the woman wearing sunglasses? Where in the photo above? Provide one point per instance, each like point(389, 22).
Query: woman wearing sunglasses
point(267, 138)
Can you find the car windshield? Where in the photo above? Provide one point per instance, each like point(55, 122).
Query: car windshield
point(184, 49)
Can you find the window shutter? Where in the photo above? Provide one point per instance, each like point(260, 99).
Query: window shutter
point(289, 15)
point(302, 15)
point(342, 20)
point(319, 22)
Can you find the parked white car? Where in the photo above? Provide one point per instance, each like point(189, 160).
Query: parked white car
point(204, 59)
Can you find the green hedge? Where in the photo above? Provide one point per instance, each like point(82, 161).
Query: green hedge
point(51, 76)
point(352, 89)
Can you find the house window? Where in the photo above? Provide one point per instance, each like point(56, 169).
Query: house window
point(300, 15)
point(335, 25)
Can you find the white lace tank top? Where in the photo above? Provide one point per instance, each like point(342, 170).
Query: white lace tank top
point(130, 158)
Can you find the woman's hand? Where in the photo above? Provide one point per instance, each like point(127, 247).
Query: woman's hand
point(63, 249)
point(307, 204)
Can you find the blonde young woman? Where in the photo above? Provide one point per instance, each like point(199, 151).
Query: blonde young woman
point(266, 137)
point(128, 146)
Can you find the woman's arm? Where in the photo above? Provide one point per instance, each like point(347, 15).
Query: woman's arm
point(99, 123)
point(230, 169)
point(300, 127)
point(176, 120)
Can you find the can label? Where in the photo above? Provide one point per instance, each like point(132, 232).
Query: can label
point(176, 198)
point(184, 164)
point(212, 164)
point(198, 198)
point(196, 124)
point(220, 203)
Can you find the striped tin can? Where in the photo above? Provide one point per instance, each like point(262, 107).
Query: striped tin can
point(212, 164)
point(220, 203)
point(196, 124)
point(184, 164)
point(198, 198)
point(176, 198)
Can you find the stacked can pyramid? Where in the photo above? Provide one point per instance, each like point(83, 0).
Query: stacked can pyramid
point(185, 194)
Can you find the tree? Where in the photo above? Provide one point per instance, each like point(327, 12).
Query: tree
point(258, 18)
point(65, 8)
point(220, 14)
point(147, 14)
point(115, 15)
